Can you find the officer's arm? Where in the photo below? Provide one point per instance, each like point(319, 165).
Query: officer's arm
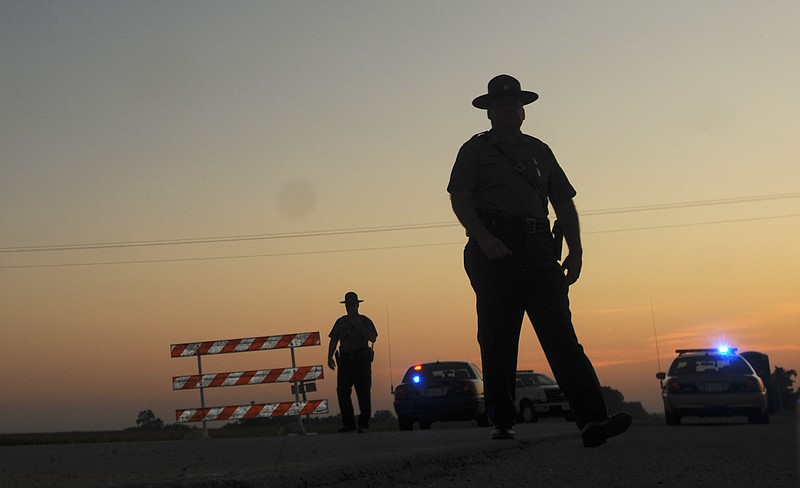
point(567, 216)
point(462, 203)
point(331, 350)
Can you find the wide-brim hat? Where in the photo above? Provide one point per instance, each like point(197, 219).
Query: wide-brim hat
point(504, 86)
point(351, 297)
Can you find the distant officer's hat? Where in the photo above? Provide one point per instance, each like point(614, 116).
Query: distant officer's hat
point(504, 86)
point(351, 297)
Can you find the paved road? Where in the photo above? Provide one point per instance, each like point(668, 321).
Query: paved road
point(549, 453)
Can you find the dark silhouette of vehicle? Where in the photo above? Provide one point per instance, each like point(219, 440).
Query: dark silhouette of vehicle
point(439, 392)
point(537, 395)
point(760, 363)
point(712, 383)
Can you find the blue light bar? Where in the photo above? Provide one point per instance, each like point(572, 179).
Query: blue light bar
point(416, 378)
point(718, 350)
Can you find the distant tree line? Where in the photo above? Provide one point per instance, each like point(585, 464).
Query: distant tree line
point(785, 396)
point(615, 402)
point(147, 420)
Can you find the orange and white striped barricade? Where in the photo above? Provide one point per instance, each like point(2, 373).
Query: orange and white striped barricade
point(302, 379)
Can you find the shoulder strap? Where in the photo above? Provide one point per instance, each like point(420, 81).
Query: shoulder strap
point(519, 167)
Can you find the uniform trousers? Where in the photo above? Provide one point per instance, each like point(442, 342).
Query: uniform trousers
point(355, 370)
point(528, 281)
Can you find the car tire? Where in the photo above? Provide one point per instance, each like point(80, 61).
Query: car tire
point(672, 418)
point(758, 418)
point(527, 413)
point(424, 425)
point(405, 424)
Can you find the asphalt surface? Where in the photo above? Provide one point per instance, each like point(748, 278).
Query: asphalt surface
point(715, 453)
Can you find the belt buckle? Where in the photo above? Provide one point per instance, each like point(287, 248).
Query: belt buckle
point(532, 226)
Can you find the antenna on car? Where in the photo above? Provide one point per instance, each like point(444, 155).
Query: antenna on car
point(389, 347)
point(655, 334)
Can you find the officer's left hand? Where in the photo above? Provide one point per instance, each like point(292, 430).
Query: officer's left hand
point(493, 247)
point(572, 265)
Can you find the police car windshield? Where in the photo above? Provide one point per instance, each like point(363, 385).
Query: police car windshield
point(442, 371)
point(710, 364)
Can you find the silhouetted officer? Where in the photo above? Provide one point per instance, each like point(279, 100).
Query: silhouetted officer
point(500, 186)
point(353, 333)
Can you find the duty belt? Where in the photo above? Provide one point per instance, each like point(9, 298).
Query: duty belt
point(534, 226)
point(493, 218)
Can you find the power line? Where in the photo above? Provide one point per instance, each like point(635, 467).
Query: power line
point(241, 238)
point(383, 248)
point(375, 229)
point(699, 203)
point(695, 224)
point(217, 258)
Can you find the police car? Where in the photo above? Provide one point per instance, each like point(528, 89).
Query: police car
point(713, 383)
point(438, 392)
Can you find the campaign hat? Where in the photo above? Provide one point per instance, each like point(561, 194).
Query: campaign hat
point(351, 297)
point(504, 86)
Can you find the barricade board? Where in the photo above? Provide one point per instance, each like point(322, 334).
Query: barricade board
point(244, 345)
point(254, 377)
point(257, 410)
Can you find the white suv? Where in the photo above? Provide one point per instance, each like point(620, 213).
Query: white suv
point(539, 396)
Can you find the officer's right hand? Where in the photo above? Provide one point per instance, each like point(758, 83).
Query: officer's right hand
point(331, 363)
point(493, 247)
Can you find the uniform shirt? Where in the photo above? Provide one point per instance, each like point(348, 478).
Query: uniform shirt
point(349, 337)
point(483, 171)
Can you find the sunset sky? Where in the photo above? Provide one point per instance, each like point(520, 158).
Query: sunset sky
point(196, 170)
